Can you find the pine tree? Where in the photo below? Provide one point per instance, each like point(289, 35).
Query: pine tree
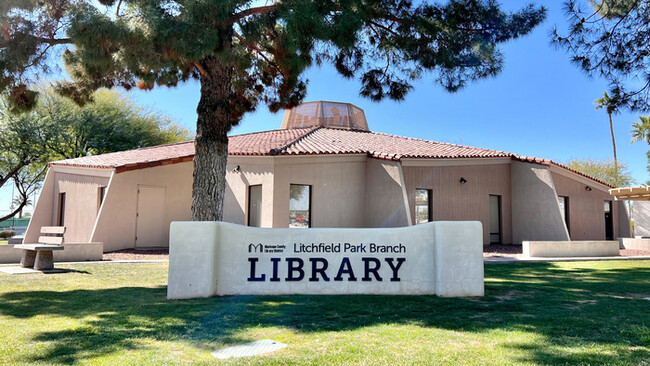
point(609, 38)
point(245, 54)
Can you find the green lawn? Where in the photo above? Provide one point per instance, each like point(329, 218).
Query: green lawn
point(544, 313)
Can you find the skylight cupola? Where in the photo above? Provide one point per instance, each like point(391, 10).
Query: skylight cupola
point(325, 114)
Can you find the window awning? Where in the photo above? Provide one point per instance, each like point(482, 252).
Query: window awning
point(631, 193)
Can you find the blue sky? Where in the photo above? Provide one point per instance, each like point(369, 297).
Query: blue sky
point(540, 105)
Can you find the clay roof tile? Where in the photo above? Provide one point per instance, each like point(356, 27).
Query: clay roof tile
point(302, 141)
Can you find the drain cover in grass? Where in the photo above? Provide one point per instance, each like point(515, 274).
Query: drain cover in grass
point(249, 349)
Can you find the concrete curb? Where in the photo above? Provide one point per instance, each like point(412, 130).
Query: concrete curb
point(563, 259)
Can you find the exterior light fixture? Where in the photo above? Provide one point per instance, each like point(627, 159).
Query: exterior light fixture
point(236, 169)
point(463, 180)
point(587, 188)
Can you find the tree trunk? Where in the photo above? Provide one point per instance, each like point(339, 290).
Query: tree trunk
point(211, 144)
point(611, 130)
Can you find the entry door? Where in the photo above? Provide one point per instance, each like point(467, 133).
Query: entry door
point(495, 219)
point(609, 221)
point(150, 218)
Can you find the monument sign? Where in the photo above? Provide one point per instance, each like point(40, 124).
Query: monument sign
point(217, 258)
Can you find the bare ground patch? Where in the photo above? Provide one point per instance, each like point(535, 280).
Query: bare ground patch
point(137, 254)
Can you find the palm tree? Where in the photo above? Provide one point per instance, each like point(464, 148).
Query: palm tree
point(641, 130)
point(611, 106)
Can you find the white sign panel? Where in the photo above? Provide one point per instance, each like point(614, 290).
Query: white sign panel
point(215, 258)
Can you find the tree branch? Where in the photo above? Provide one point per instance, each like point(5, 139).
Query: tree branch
point(22, 204)
point(117, 11)
point(200, 68)
point(258, 51)
point(54, 41)
point(385, 28)
point(50, 41)
point(17, 210)
point(11, 174)
point(253, 11)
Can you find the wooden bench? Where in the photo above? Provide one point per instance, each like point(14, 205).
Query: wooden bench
point(39, 256)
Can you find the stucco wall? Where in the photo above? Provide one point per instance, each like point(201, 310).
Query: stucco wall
point(81, 203)
point(42, 215)
point(586, 208)
point(342, 177)
point(338, 189)
point(347, 191)
point(641, 217)
point(464, 202)
point(624, 221)
point(72, 252)
point(535, 208)
point(116, 226)
point(252, 171)
point(386, 201)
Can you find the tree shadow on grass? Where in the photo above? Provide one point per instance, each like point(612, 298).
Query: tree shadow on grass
point(119, 318)
point(568, 308)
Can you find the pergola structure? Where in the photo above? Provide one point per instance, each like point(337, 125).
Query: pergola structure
point(631, 193)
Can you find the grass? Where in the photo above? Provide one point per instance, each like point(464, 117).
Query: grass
point(541, 313)
point(3, 241)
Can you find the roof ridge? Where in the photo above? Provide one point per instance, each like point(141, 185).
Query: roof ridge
point(155, 146)
point(265, 131)
point(300, 138)
point(441, 143)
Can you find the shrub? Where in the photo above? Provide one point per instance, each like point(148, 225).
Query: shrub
point(6, 234)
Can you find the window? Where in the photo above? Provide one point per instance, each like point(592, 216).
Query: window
point(564, 209)
point(423, 212)
point(61, 218)
point(101, 193)
point(255, 205)
point(299, 206)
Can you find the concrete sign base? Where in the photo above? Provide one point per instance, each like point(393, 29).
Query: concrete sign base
point(216, 258)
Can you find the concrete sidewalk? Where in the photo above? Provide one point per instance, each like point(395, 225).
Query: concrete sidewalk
point(563, 259)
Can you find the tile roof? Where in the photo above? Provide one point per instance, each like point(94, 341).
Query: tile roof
point(382, 146)
point(134, 159)
point(302, 141)
point(259, 143)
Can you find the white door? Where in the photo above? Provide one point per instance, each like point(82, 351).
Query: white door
point(150, 217)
